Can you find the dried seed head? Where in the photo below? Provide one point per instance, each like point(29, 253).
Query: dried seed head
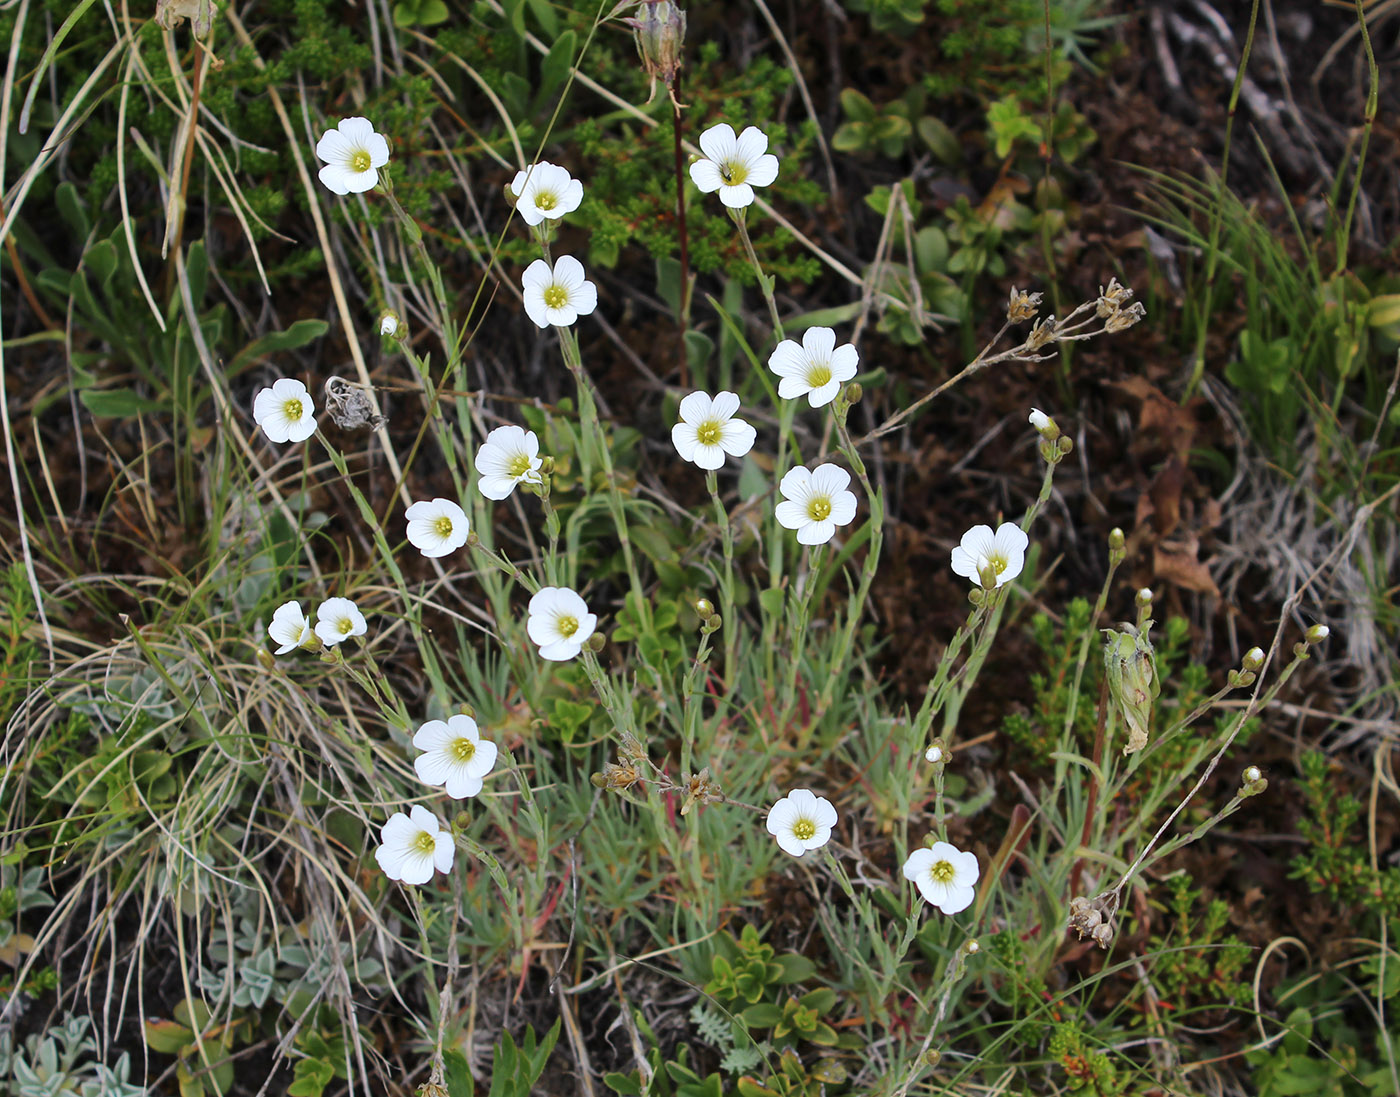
point(1125, 318)
point(1112, 299)
point(351, 406)
point(1042, 332)
point(1103, 935)
point(659, 32)
point(1022, 306)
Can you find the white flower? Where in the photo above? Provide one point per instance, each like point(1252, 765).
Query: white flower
point(801, 821)
point(559, 296)
point(545, 190)
point(815, 503)
point(388, 324)
point(944, 875)
point(455, 755)
point(708, 429)
point(815, 369)
point(289, 627)
point(414, 845)
point(284, 411)
point(509, 456)
point(734, 165)
point(437, 528)
point(559, 623)
point(352, 152)
point(934, 754)
point(338, 619)
point(1004, 552)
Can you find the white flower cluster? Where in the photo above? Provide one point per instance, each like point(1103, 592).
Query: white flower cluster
point(814, 502)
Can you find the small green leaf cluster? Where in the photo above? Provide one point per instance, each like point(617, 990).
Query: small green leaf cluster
point(1085, 1068)
point(1335, 864)
point(1200, 963)
point(62, 1062)
point(202, 1044)
point(745, 969)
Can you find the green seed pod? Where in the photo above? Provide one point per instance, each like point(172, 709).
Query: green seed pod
point(1131, 670)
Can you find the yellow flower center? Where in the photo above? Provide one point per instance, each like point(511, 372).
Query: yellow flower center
point(819, 375)
point(556, 296)
point(424, 843)
point(566, 625)
point(443, 526)
point(942, 872)
point(545, 200)
point(709, 432)
point(519, 465)
point(819, 509)
point(804, 830)
point(462, 749)
point(346, 626)
point(292, 409)
point(360, 160)
point(733, 172)
point(998, 563)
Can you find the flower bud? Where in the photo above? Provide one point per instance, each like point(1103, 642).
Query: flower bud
point(704, 607)
point(1317, 634)
point(1251, 774)
point(936, 753)
point(265, 658)
point(975, 596)
point(932, 1057)
point(547, 466)
point(1253, 659)
point(1065, 444)
point(972, 947)
point(1144, 598)
point(461, 822)
point(713, 622)
point(388, 324)
point(472, 539)
point(1044, 424)
point(987, 576)
point(1116, 540)
point(467, 710)
point(596, 642)
point(854, 393)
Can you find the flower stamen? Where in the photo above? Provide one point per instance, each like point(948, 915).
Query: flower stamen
point(555, 296)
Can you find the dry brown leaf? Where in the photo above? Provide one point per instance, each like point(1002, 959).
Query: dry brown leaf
point(1177, 564)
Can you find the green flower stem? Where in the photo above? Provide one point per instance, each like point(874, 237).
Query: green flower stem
point(728, 614)
point(692, 696)
point(933, 692)
point(765, 283)
point(551, 527)
point(1147, 857)
point(593, 445)
point(777, 535)
point(799, 608)
point(856, 606)
point(413, 612)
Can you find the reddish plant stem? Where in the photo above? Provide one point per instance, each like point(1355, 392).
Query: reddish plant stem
point(680, 222)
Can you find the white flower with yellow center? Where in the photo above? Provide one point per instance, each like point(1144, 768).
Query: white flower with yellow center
point(815, 369)
point(353, 152)
point(1002, 553)
point(509, 456)
point(944, 875)
point(815, 503)
point(734, 165)
point(285, 411)
point(708, 430)
point(545, 190)
point(800, 821)
point(559, 296)
point(338, 619)
point(455, 755)
point(438, 527)
point(290, 628)
point(559, 623)
point(413, 845)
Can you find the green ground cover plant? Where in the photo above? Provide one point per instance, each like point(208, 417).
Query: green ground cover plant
point(461, 462)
